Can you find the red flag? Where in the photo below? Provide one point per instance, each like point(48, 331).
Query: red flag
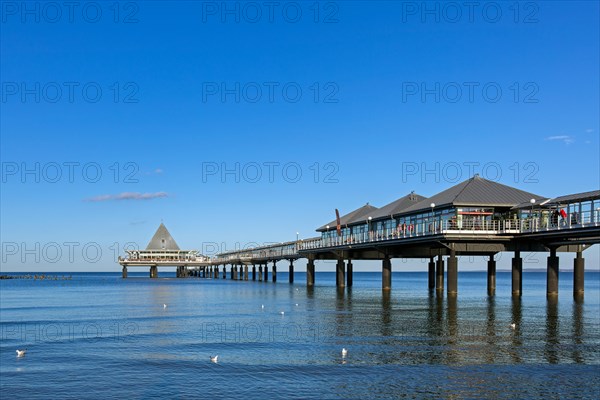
point(337, 220)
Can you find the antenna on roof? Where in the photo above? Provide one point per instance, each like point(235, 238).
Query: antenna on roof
point(476, 176)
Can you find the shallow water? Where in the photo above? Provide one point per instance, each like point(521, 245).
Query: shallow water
point(99, 336)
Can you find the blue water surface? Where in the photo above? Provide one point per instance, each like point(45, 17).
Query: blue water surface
point(97, 335)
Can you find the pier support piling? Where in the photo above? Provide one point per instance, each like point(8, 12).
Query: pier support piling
point(241, 272)
point(517, 274)
point(491, 276)
point(340, 273)
point(439, 274)
point(386, 273)
point(253, 272)
point(291, 271)
point(310, 272)
point(552, 276)
point(274, 273)
point(452, 273)
point(578, 274)
point(124, 272)
point(154, 271)
point(431, 274)
point(245, 272)
point(266, 270)
point(349, 273)
point(260, 273)
point(224, 272)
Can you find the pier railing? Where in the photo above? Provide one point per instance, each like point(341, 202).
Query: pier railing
point(159, 257)
point(494, 227)
point(270, 252)
point(527, 225)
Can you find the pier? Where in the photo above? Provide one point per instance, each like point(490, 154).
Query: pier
point(163, 251)
point(476, 217)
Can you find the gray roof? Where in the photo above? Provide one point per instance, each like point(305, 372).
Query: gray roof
point(569, 198)
point(359, 214)
point(594, 194)
point(162, 240)
point(527, 204)
point(398, 206)
point(477, 192)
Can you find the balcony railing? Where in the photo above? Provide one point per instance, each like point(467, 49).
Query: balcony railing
point(525, 225)
point(494, 227)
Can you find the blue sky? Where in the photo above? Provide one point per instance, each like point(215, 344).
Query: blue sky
point(311, 106)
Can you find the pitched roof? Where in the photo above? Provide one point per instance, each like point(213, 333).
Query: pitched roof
point(476, 191)
point(527, 204)
point(397, 206)
point(594, 194)
point(353, 216)
point(557, 201)
point(162, 240)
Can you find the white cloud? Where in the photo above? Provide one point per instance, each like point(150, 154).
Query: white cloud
point(155, 171)
point(128, 196)
point(564, 138)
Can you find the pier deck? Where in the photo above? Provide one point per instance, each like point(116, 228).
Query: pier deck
point(476, 217)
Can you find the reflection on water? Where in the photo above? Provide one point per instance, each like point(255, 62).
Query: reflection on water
point(399, 341)
point(490, 329)
point(516, 335)
point(552, 327)
point(386, 314)
point(440, 329)
point(578, 330)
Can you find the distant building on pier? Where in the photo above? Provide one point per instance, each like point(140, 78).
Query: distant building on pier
point(162, 247)
point(163, 251)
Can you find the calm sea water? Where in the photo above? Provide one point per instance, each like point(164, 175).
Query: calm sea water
point(99, 336)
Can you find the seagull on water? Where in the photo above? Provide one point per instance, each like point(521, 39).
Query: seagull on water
point(282, 313)
point(164, 306)
point(296, 304)
point(344, 352)
point(513, 325)
point(214, 359)
point(21, 353)
point(262, 306)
